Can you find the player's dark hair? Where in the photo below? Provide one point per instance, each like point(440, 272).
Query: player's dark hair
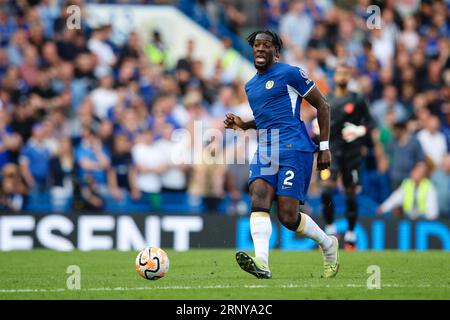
point(276, 40)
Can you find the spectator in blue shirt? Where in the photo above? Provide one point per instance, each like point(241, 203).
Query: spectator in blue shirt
point(34, 159)
point(122, 173)
point(92, 158)
point(8, 26)
point(10, 141)
point(405, 152)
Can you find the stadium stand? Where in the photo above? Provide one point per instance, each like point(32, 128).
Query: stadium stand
point(78, 113)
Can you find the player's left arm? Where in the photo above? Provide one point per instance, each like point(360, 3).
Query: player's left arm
point(318, 101)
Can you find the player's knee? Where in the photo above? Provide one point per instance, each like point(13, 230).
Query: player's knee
point(289, 221)
point(288, 216)
point(260, 197)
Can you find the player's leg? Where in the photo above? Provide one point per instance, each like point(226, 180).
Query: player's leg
point(350, 179)
point(305, 226)
point(328, 187)
point(328, 179)
point(262, 195)
point(299, 222)
point(293, 181)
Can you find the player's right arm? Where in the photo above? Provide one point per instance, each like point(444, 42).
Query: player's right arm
point(234, 122)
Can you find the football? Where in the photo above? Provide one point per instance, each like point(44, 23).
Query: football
point(152, 263)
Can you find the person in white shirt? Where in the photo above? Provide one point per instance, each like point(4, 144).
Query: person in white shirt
point(409, 37)
point(150, 162)
point(97, 45)
point(433, 141)
point(383, 46)
point(104, 97)
point(416, 195)
point(174, 177)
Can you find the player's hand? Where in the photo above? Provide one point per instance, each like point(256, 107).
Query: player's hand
point(351, 132)
point(323, 160)
point(233, 122)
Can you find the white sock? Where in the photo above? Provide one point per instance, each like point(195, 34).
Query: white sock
point(330, 229)
point(350, 236)
point(261, 230)
point(308, 228)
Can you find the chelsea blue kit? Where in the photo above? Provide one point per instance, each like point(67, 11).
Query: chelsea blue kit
point(285, 152)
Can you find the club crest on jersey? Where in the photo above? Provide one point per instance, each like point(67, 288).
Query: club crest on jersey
point(349, 107)
point(303, 73)
point(269, 84)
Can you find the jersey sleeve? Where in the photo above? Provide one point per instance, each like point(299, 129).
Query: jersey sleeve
point(298, 79)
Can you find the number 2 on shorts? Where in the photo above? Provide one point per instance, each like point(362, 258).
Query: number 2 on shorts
point(289, 177)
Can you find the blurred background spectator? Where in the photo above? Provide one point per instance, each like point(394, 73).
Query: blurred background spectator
point(62, 175)
point(122, 172)
point(13, 189)
point(92, 159)
point(441, 180)
point(88, 123)
point(35, 160)
point(405, 153)
point(416, 196)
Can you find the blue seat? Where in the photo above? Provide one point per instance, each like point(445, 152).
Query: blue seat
point(180, 202)
point(127, 204)
point(38, 202)
point(176, 202)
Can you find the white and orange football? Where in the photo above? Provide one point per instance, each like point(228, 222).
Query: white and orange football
point(152, 263)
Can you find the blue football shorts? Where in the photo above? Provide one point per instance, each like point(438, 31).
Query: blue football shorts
point(289, 173)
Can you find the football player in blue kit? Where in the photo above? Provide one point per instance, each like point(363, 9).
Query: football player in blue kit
point(283, 163)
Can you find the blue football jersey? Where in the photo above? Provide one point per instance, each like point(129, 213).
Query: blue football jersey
point(275, 97)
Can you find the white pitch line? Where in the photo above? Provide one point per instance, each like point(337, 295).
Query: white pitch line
point(289, 286)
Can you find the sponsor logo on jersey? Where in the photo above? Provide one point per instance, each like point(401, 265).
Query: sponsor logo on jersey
point(269, 84)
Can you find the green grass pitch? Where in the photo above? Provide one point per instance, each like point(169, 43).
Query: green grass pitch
point(214, 274)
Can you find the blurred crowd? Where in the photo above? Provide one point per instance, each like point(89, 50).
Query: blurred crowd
point(88, 121)
point(399, 52)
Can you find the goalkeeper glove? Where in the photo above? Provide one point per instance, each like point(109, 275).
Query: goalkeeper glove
point(351, 132)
